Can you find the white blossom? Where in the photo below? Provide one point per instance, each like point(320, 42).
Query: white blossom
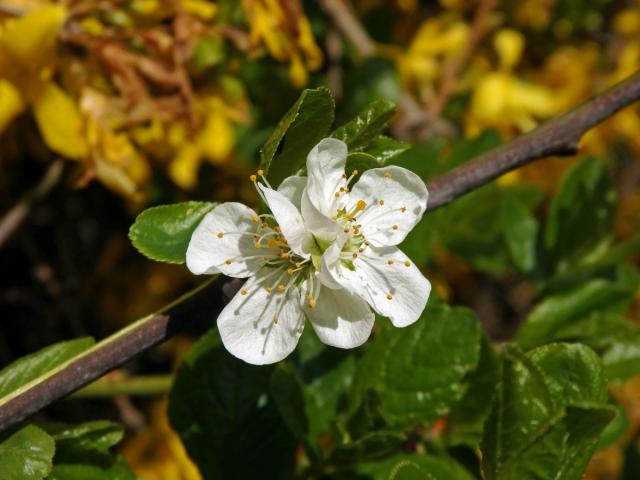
point(326, 251)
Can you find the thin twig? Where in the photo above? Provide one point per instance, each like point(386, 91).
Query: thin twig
point(557, 137)
point(350, 27)
point(18, 213)
point(451, 68)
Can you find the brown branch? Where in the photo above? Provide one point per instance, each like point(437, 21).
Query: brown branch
point(350, 27)
point(558, 137)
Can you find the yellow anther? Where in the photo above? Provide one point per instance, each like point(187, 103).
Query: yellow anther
point(361, 250)
point(403, 209)
point(243, 292)
point(253, 178)
point(276, 229)
point(283, 255)
point(387, 175)
point(345, 229)
point(342, 189)
point(312, 303)
point(381, 202)
point(354, 173)
point(298, 264)
point(354, 255)
point(290, 271)
point(361, 205)
point(407, 263)
point(268, 289)
point(366, 243)
point(264, 224)
point(389, 296)
point(257, 245)
point(337, 194)
point(271, 243)
point(261, 172)
point(227, 261)
point(395, 227)
point(334, 218)
point(255, 219)
point(220, 235)
point(309, 296)
point(275, 321)
point(280, 288)
point(390, 262)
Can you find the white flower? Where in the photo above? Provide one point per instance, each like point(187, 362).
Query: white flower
point(326, 251)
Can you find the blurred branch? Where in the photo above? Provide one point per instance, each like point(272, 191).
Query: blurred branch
point(451, 69)
point(560, 136)
point(557, 137)
point(14, 217)
point(350, 26)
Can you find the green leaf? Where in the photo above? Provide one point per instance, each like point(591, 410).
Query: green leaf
point(221, 408)
point(385, 149)
point(413, 466)
point(361, 162)
point(302, 127)
point(520, 231)
point(581, 215)
point(466, 420)
point(286, 390)
point(27, 454)
point(612, 336)
point(99, 435)
point(28, 368)
point(162, 233)
point(547, 415)
point(83, 452)
point(559, 311)
point(418, 372)
point(103, 469)
point(367, 125)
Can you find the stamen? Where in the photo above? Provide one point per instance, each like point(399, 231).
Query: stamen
point(403, 209)
point(390, 262)
point(312, 304)
point(337, 194)
point(261, 173)
point(395, 227)
point(354, 255)
point(381, 202)
point(253, 178)
point(268, 289)
point(257, 245)
point(389, 296)
point(280, 287)
point(228, 261)
point(243, 292)
point(255, 218)
point(407, 263)
point(220, 235)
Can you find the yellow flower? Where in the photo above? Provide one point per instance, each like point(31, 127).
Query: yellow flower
point(27, 58)
point(286, 34)
point(436, 39)
point(158, 453)
point(502, 100)
point(213, 142)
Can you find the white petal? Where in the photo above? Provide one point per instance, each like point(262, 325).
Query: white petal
point(247, 326)
point(403, 195)
point(321, 226)
point(292, 188)
point(289, 220)
point(340, 319)
point(374, 280)
point(325, 170)
point(330, 257)
point(208, 251)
